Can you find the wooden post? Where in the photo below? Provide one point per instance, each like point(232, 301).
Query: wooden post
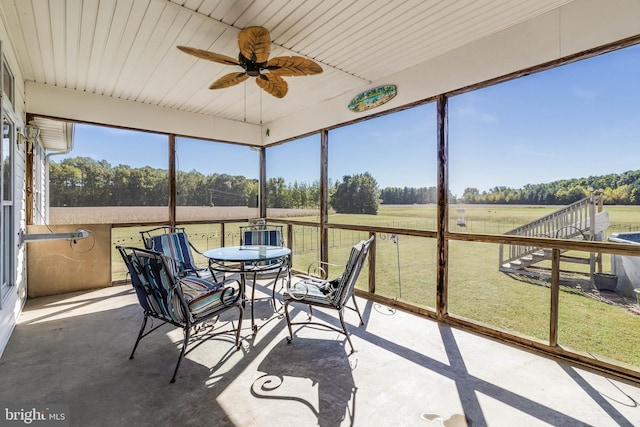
point(324, 197)
point(442, 210)
point(290, 242)
point(592, 234)
point(262, 199)
point(173, 191)
point(599, 201)
point(555, 297)
point(372, 265)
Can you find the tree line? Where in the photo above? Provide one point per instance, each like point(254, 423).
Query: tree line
point(617, 189)
point(83, 181)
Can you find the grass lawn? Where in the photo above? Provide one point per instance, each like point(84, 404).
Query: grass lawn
point(406, 270)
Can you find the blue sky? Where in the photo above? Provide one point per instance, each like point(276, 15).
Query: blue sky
point(579, 120)
point(575, 121)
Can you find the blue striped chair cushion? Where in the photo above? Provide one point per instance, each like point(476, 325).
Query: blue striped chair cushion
point(202, 295)
point(175, 246)
point(141, 291)
point(193, 286)
point(161, 296)
point(262, 237)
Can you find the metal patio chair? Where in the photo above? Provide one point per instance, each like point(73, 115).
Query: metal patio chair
point(182, 301)
point(262, 234)
point(331, 294)
point(174, 243)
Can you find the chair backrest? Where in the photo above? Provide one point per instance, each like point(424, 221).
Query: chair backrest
point(172, 242)
point(261, 234)
point(350, 275)
point(152, 276)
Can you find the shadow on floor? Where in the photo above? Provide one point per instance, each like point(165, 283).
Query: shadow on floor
point(73, 350)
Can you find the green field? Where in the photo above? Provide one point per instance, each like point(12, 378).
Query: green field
point(406, 270)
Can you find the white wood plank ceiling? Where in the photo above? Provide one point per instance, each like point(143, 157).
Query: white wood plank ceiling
point(126, 48)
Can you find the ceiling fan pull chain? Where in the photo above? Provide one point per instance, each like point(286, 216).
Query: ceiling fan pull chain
point(260, 108)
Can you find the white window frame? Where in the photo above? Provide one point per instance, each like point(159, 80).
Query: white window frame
point(7, 213)
point(7, 201)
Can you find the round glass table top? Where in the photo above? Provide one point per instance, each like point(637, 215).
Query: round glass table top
point(247, 253)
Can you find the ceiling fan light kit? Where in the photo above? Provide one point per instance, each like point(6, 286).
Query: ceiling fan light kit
point(255, 46)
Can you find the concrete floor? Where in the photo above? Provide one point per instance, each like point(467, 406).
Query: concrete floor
point(73, 350)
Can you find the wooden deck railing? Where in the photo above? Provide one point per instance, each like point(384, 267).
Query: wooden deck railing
point(578, 220)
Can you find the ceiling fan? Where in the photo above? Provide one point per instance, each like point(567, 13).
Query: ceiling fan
point(255, 46)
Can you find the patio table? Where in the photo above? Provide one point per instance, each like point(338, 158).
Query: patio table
point(249, 259)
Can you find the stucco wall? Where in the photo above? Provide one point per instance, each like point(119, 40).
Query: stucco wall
point(60, 266)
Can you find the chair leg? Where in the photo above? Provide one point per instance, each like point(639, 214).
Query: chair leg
point(344, 328)
point(286, 313)
point(187, 330)
point(273, 290)
point(273, 295)
point(353, 296)
point(135, 346)
point(254, 328)
point(239, 327)
point(286, 283)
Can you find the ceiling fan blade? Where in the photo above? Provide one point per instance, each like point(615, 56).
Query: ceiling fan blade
point(211, 56)
point(255, 44)
point(273, 84)
point(229, 80)
point(293, 66)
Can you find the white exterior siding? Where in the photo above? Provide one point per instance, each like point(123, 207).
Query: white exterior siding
point(12, 305)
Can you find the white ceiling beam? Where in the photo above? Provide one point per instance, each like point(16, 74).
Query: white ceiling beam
point(68, 104)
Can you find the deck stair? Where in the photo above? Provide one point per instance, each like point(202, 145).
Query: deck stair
point(582, 220)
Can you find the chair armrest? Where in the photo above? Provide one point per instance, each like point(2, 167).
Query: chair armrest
point(230, 294)
point(319, 270)
point(209, 302)
point(195, 249)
